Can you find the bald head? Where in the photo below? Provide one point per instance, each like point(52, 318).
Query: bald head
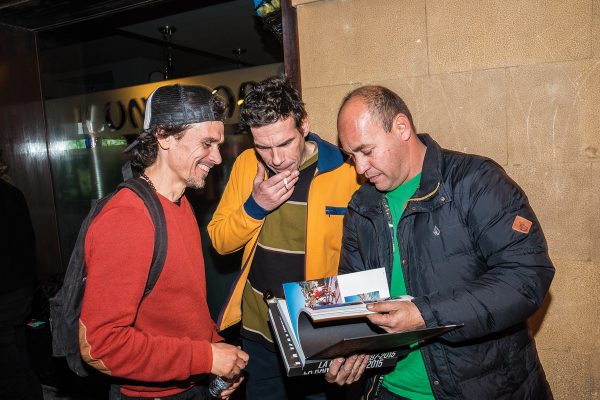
point(375, 129)
point(382, 103)
point(354, 115)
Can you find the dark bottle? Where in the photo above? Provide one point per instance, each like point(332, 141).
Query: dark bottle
point(219, 384)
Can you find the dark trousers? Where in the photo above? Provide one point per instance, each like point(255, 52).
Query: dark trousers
point(266, 379)
point(17, 377)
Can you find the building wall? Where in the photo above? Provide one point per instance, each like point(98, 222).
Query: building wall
point(518, 81)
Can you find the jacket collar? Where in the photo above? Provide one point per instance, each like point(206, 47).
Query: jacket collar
point(431, 172)
point(369, 199)
point(330, 156)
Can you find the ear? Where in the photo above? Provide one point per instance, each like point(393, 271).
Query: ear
point(305, 126)
point(164, 142)
point(401, 125)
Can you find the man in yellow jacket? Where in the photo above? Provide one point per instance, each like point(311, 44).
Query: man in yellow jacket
point(284, 205)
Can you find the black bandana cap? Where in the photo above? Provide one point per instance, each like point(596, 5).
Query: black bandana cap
point(180, 105)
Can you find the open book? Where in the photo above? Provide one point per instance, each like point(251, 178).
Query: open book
point(326, 321)
point(337, 297)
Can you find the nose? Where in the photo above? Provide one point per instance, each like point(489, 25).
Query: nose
point(360, 164)
point(215, 155)
point(278, 156)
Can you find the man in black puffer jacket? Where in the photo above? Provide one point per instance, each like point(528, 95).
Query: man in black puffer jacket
point(457, 234)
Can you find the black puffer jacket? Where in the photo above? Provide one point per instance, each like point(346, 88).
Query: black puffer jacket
point(464, 262)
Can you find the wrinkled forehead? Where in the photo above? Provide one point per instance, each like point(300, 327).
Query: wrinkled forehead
point(209, 131)
point(276, 133)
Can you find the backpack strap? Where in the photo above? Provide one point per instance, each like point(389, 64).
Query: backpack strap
point(127, 171)
point(141, 188)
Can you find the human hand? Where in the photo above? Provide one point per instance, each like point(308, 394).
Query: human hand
point(396, 316)
point(229, 391)
point(228, 360)
point(348, 371)
point(271, 193)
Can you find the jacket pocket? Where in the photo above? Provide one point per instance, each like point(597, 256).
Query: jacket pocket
point(329, 210)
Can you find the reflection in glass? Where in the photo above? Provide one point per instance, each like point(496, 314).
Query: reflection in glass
point(94, 127)
point(86, 158)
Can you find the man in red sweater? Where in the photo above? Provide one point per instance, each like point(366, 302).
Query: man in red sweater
point(166, 345)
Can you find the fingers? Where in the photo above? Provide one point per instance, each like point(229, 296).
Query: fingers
point(288, 190)
point(271, 193)
point(285, 180)
point(260, 173)
point(384, 306)
point(287, 185)
point(228, 361)
point(334, 369)
point(345, 372)
point(358, 369)
point(229, 391)
point(243, 355)
point(396, 316)
point(381, 320)
point(240, 363)
point(352, 369)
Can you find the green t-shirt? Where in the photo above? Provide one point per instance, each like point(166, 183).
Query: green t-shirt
point(409, 378)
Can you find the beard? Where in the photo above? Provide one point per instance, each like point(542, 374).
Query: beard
point(197, 177)
point(195, 183)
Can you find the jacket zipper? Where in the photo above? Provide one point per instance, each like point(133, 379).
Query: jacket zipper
point(408, 288)
point(307, 216)
point(373, 391)
point(405, 267)
point(390, 222)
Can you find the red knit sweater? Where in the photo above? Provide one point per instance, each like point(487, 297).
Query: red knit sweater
point(168, 339)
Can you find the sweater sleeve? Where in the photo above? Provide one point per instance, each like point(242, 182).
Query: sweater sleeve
point(231, 226)
point(118, 248)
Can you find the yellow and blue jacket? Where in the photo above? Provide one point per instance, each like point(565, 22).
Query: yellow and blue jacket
point(237, 221)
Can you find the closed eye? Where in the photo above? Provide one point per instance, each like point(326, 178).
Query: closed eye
point(287, 142)
point(209, 143)
point(283, 144)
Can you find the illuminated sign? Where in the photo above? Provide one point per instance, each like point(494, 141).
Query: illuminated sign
point(121, 111)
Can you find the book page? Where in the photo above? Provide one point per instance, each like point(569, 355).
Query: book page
point(285, 317)
point(326, 292)
point(364, 286)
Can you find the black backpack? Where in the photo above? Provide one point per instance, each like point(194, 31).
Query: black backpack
point(65, 307)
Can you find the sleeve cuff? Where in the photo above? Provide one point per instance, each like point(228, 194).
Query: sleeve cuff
point(202, 359)
point(253, 209)
point(425, 310)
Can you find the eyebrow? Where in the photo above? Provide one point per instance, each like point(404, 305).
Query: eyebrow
point(285, 142)
point(211, 139)
point(360, 148)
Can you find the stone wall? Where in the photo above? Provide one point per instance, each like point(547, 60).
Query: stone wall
point(518, 81)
